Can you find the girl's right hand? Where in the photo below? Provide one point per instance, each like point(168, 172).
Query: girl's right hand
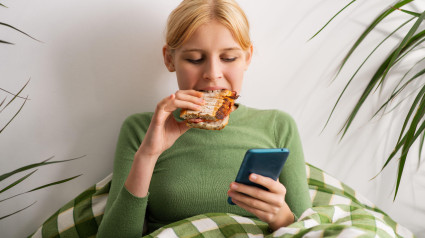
point(164, 130)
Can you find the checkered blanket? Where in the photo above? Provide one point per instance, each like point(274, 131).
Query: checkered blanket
point(338, 211)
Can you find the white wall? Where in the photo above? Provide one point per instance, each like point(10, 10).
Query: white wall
point(100, 61)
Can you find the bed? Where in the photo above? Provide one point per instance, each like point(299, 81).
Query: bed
point(338, 211)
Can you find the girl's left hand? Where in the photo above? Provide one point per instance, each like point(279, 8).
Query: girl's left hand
point(268, 206)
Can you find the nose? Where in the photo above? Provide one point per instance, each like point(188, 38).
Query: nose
point(213, 70)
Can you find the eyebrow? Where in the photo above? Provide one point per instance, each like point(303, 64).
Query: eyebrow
point(200, 50)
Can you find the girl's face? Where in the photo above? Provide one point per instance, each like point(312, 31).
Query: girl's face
point(211, 59)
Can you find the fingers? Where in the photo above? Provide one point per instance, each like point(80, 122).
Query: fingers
point(258, 197)
point(189, 99)
point(272, 185)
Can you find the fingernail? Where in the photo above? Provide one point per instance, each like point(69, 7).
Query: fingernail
point(234, 186)
point(253, 176)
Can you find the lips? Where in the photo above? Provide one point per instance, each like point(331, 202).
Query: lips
point(211, 88)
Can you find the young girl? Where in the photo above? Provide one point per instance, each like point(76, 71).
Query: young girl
point(165, 172)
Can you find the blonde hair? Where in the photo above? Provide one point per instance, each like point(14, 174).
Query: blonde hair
point(191, 14)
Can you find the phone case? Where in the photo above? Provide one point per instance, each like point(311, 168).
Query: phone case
point(265, 162)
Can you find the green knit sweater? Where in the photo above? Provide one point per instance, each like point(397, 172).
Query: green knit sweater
point(193, 176)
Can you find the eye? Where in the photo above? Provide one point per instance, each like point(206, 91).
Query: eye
point(229, 59)
point(195, 61)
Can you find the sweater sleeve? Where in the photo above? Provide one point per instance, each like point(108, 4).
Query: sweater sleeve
point(125, 213)
point(293, 175)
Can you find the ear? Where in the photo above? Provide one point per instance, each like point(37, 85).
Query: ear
point(248, 56)
point(168, 58)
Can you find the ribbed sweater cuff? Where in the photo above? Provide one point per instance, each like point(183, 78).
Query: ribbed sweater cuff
point(126, 216)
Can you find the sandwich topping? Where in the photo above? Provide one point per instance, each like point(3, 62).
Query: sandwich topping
point(214, 114)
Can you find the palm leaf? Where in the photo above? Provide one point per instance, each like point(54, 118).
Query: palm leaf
point(31, 166)
point(14, 115)
point(421, 145)
point(1, 103)
point(17, 182)
point(6, 42)
point(415, 14)
point(20, 210)
point(332, 19)
point(403, 44)
point(378, 75)
point(410, 139)
point(397, 90)
point(15, 96)
point(403, 141)
point(16, 29)
point(370, 28)
point(43, 186)
point(1, 89)
point(358, 69)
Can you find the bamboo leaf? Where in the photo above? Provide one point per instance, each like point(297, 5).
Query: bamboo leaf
point(332, 19)
point(15, 96)
point(20, 210)
point(17, 181)
point(358, 69)
point(16, 29)
point(43, 186)
point(14, 115)
point(31, 166)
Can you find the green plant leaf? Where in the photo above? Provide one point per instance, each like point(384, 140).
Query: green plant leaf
point(410, 12)
point(421, 145)
point(6, 42)
point(31, 166)
point(410, 138)
point(1, 89)
point(403, 45)
point(43, 186)
point(397, 90)
point(376, 78)
point(17, 182)
point(16, 29)
point(403, 141)
point(358, 69)
point(332, 19)
point(20, 210)
point(3, 5)
point(15, 96)
point(3, 101)
point(369, 29)
point(14, 116)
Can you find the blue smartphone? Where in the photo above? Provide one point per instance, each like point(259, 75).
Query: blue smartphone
point(265, 162)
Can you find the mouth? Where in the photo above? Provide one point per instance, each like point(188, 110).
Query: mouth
point(211, 88)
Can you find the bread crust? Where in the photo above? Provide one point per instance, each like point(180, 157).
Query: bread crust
point(214, 114)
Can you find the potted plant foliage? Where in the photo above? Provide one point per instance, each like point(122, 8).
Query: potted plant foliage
point(413, 36)
point(9, 99)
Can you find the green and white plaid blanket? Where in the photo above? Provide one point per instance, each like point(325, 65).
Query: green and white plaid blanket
point(338, 211)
